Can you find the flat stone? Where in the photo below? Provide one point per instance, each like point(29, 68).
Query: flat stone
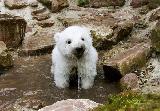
point(38, 11)
point(12, 30)
point(46, 23)
point(39, 43)
point(42, 16)
point(130, 59)
point(5, 57)
point(71, 105)
point(130, 81)
point(15, 4)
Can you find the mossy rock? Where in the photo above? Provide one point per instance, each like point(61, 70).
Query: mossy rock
point(130, 59)
point(82, 2)
point(155, 38)
point(128, 101)
point(101, 42)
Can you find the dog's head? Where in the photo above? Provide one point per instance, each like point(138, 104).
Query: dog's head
point(74, 41)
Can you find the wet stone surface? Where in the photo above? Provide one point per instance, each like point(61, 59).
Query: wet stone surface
point(29, 84)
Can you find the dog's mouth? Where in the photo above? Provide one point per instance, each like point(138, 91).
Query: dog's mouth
point(79, 53)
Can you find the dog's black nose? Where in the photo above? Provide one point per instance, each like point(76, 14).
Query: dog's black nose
point(79, 49)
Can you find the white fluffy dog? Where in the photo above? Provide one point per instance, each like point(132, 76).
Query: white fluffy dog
point(74, 49)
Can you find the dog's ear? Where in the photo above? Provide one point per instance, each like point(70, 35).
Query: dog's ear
point(56, 37)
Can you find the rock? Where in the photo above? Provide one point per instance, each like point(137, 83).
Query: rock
point(12, 30)
point(139, 3)
point(122, 30)
point(55, 5)
point(130, 81)
point(129, 60)
point(41, 16)
point(119, 32)
point(155, 37)
point(38, 11)
point(28, 104)
point(38, 43)
point(15, 4)
point(58, 5)
point(5, 57)
point(153, 4)
point(48, 3)
point(46, 23)
point(106, 31)
point(155, 16)
point(71, 105)
point(33, 3)
point(101, 3)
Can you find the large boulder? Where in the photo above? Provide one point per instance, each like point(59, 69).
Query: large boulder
point(5, 57)
point(38, 43)
point(15, 4)
point(12, 30)
point(105, 29)
point(100, 3)
point(128, 60)
point(71, 105)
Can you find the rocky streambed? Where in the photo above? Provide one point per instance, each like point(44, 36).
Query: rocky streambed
point(125, 33)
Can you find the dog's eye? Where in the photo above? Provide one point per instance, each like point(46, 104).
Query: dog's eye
point(68, 41)
point(82, 39)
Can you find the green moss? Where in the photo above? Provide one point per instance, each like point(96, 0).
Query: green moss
point(128, 101)
point(154, 4)
point(82, 2)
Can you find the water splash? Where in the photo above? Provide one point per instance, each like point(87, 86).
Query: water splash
point(79, 86)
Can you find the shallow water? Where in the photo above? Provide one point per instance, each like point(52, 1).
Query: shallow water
point(30, 80)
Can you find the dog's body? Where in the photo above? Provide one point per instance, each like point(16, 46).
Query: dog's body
point(74, 49)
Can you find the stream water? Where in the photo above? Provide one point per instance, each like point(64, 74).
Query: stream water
point(30, 80)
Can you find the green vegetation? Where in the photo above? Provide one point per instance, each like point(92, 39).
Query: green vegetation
point(128, 101)
point(82, 2)
point(154, 4)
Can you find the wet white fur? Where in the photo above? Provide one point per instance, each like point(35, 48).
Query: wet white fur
point(63, 59)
